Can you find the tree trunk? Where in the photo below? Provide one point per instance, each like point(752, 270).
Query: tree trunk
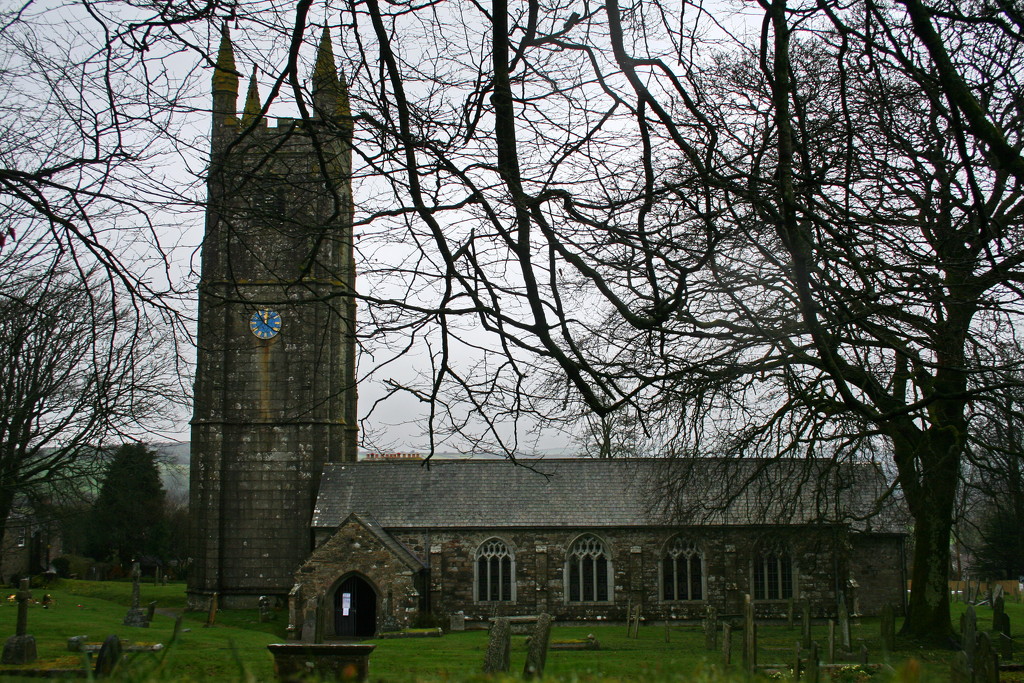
point(928, 615)
point(929, 471)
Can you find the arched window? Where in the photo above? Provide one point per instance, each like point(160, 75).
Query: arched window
point(495, 572)
point(682, 571)
point(588, 571)
point(773, 574)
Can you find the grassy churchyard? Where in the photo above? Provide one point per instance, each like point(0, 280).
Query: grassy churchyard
point(235, 647)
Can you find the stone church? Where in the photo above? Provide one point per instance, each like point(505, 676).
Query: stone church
point(282, 507)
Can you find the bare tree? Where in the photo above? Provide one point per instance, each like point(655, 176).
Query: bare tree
point(802, 242)
point(78, 371)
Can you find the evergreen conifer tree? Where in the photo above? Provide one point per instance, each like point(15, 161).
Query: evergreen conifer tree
point(128, 515)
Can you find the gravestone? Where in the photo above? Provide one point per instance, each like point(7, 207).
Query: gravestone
point(537, 653)
point(150, 612)
point(749, 636)
point(790, 616)
point(457, 621)
point(265, 609)
point(108, 658)
point(969, 632)
point(831, 641)
point(812, 673)
point(156, 576)
point(211, 614)
point(135, 616)
point(668, 635)
point(960, 668)
point(1005, 647)
point(986, 662)
point(727, 644)
point(888, 626)
point(998, 610)
point(1001, 624)
point(711, 628)
point(805, 624)
point(844, 624)
point(499, 645)
point(21, 647)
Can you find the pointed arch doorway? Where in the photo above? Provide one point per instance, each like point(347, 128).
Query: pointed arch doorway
point(355, 609)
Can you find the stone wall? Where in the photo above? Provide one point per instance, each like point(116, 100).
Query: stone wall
point(879, 567)
point(821, 566)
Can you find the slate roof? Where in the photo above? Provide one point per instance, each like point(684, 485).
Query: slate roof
point(601, 493)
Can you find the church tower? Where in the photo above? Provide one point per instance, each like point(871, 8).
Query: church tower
point(275, 394)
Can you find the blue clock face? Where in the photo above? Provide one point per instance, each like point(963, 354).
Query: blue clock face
point(265, 323)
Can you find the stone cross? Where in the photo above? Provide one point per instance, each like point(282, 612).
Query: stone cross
point(727, 644)
point(21, 647)
point(499, 645)
point(135, 616)
point(136, 577)
point(22, 596)
point(537, 655)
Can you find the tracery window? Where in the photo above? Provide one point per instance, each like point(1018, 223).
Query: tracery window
point(682, 571)
point(773, 574)
point(588, 571)
point(495, 572)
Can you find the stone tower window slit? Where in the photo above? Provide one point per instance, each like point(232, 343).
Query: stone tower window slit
point(682, 571)
point(495, 572)
point(588, 568)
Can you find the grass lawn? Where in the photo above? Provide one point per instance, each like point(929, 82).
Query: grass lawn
point(235, 648)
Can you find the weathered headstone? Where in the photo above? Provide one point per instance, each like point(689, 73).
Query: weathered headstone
point(711, 628)
point(499, 645)
point(537, 653)
point(1005, 647)
point(986, 662)
point(805, 624)
point(844, 623)
point(211, 614)
point(812, 673)
point(75, 643)
point(749, 636)
point(668, 634)
point(1001, 623)
point(150, 612)
point(863, 654)
point(135, 616)
point(21, 647)
point(790, 616)
point(636, 622)
point(265, 609)
point(888, 628)
point(108, 658)
point(831, 641)
point(727, 644)
point(969, 632)
point(960, 668)
point(156, 576)
point(998, 610)
point(457, 621)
